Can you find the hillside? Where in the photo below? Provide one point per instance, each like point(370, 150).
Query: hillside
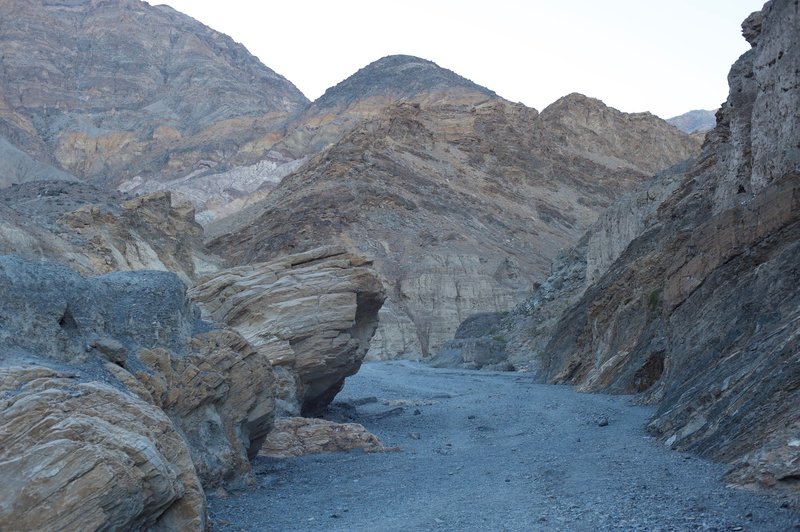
point(450, 197)
point(122, 92)
point(694, 121)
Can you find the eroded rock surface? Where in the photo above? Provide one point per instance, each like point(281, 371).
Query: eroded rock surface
point(85, 455)
point(298, 436)
point(123, 91)
point(131, 400)
point(311, 314)
point(95, 231)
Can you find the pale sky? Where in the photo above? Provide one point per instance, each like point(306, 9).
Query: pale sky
point(662, 56)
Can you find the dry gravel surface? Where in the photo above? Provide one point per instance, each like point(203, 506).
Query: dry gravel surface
point(492, 451)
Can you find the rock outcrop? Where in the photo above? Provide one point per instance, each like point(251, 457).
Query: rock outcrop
point(311, 314)
point(94, 231)
point(84, 455)
point(699, 311)
point(450, 198)
point(126, 397)
point(124, 92)
point(298, 436)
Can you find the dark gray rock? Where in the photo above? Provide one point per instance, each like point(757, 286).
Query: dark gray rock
point(50, 311)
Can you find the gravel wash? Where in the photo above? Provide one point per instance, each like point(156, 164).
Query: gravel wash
point(492, 451)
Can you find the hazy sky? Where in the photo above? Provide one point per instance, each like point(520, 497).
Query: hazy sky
point(663, 56)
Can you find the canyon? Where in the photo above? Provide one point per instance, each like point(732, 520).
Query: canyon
point(196, 262)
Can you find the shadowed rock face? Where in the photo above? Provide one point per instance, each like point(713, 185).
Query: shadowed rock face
point(112, 383)
point(700, 310)
point(312, 315)
point(450, 199)
point(108, 90)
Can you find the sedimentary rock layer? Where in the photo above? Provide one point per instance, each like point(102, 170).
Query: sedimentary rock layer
point(112, 91)
point(700, 310)
point(311, 314)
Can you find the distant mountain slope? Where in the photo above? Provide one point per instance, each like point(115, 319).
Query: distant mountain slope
point(364, 94)
point(115, 89)
point(693, 121)
point(402, 76)
point(463, 205)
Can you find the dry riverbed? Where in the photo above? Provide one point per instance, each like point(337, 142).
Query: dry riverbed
point(491, 451)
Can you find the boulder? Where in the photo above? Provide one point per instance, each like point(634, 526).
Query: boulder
point(298, 436)
point(86, 456)
point(311, 314)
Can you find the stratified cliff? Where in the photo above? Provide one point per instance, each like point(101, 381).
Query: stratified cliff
point(687, 290)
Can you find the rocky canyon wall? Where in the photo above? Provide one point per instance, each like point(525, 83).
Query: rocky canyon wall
point(698, 308)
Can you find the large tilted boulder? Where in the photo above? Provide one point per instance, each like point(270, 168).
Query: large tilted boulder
point(312, 314)
point(129, 400)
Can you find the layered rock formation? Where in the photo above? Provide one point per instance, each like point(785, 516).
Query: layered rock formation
point(699, 308)
point(122, 91)
point(84, 455)
point(451, 197)
point(311, 314)
point(94, 231)
point(116, 404)
point(298, 436)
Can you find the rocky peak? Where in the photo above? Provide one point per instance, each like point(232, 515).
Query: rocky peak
point(368, 92)
point(403, 76)
point(580, 125)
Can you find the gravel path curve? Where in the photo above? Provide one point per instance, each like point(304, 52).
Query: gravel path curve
point(491, 451)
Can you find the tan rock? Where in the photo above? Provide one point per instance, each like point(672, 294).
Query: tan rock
point(151, 233)
point(220, 395)
point(312, 313)
point(208, 395)
point(298, 436)
point(85, 456)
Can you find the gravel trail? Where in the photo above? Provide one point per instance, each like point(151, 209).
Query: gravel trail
point(491, 451)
